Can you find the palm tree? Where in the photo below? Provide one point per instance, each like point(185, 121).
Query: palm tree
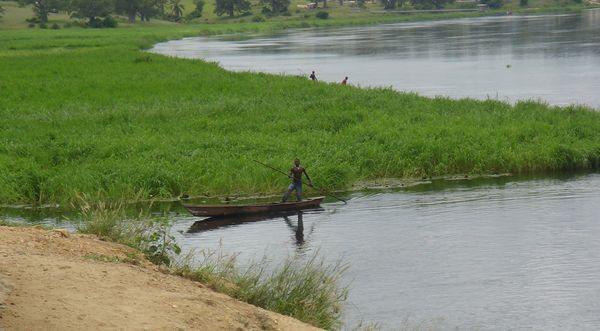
point(176, 8)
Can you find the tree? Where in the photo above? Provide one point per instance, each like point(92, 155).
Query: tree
point(129, 8)
point(230, 6)
point(149, 8)
point(197, 11)
point(176, 9)
point(43, 8)
point(389, 4)
point(91, 9)
point(1, 11)
point(430, 4)
point(277, 6)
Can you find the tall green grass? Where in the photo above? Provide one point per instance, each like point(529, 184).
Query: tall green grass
point(85, 111)
point(309, 290)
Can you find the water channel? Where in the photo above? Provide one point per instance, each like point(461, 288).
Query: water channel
point(488, 254)
point(554, 58)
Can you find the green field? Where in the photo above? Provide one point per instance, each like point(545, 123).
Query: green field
point(87, 111)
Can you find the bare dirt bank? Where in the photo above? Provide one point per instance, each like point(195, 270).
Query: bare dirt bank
point(51, 280)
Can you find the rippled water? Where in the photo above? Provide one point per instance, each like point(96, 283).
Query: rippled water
point(496, 254)
point(554, 58)
point(490, 254)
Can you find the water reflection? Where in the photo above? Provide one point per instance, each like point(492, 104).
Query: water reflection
point(293, 219)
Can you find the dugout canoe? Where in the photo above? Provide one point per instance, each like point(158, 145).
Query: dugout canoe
point(236, 210)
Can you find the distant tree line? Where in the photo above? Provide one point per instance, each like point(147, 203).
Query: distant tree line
point(416, 4)
point(97, 13)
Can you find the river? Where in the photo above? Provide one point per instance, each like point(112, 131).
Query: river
point(552, 58)
point(491, 254)
point(484, 254)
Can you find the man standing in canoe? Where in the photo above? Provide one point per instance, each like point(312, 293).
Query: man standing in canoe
point(296, 176)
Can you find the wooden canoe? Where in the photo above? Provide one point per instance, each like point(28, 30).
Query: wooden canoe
point(231, 210)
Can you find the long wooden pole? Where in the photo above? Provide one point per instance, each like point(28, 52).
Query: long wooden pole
point(287, 175)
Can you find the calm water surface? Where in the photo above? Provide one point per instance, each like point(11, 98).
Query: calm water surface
point(552, 58)
point(494, 254)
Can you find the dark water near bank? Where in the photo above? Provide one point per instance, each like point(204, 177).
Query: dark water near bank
point(555, 58)
point(493, 254)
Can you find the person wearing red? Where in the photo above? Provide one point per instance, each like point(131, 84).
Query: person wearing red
point(345, 80)
point(296, 175)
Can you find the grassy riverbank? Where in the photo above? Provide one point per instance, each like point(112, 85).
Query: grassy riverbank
point(85, 111)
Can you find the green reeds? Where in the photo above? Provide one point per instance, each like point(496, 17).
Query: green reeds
point(111, 221)
point(309, 290)
point(82, 113)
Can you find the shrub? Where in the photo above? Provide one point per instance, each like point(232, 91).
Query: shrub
point(322, 15)
point(55, 26)
point(43, 26)
point(493, 4)
point(258, 18)
point(94, 23)
point(31, 25)
point(109, 22)
point(523, 3)
point(110, 221)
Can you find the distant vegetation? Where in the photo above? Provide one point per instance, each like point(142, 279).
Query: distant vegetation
point(85, 111)
point(110, 13)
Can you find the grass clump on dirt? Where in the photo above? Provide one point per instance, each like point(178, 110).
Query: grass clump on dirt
point(111, 222)
point(308, 290)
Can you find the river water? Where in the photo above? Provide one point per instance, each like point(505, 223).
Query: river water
point(489, 254)
point(494, 254)
point(554, 58)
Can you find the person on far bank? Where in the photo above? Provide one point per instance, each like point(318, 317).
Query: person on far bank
point(313, 76)
point(345, 80)
point(296, 176)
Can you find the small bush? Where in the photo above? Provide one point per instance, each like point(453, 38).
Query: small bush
point(95, 23)
point(286, 13)
point(55, 26)
point(31, 25)
point(110, 221)
point(322, 15)
point(43, 26)
point(523, 3)
point(33, 20)
point(258, 18)
point(109, 22)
